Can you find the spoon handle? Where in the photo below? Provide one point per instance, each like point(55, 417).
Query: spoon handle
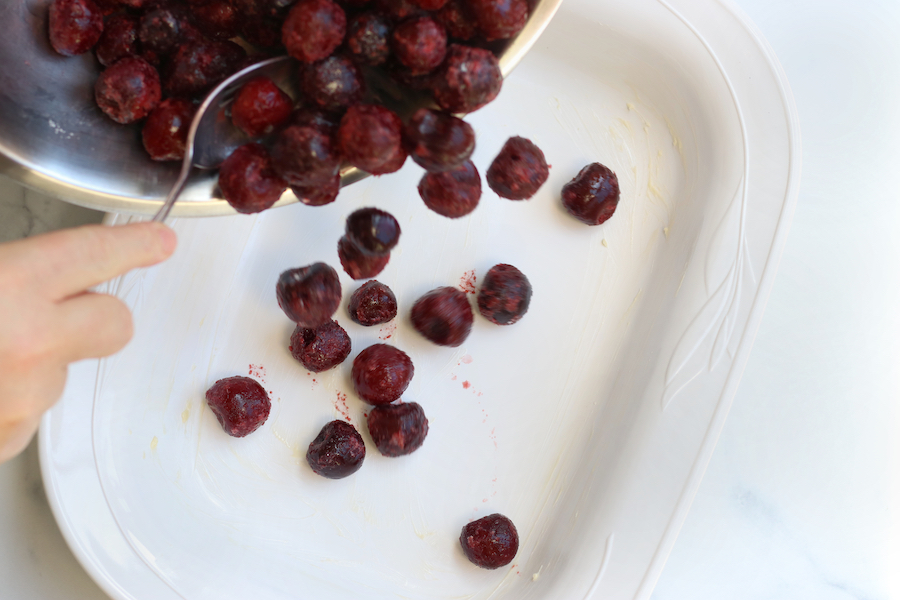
point(176, 190)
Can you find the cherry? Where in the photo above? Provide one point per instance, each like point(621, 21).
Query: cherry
point(337, 452)
point(381, 373)
point(260, 107)
point(453, 193)
point(518, 171)
point(166, 129)
point(333, 84)
point(504, 295)
point(309, 295)
point(490, 542)
point(368, 38)
point(438, 141)
point(75, 26)
point(373, 231)
point(304, 156)
point(419, 43)
point(314, 29)
point(469, 79)
point(240, 404)
point(320, 348)
point(128, 90)
point(372, 304)
point(592, 196)
point(248, 181)
point(443, 316)
point(318, 194)
point(499, 19)
point(397, 429)
point(119, 39)
point(369, 135)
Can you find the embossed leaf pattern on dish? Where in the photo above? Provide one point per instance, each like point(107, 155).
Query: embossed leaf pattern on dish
point(706, 340)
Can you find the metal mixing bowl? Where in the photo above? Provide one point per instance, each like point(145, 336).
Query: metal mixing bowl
point(54, 138)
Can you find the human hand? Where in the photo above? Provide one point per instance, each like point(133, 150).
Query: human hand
point(48, 319)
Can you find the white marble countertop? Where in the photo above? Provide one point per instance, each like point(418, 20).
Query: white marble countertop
point(801, 499)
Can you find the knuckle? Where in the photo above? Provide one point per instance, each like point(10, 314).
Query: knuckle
point(98, 247)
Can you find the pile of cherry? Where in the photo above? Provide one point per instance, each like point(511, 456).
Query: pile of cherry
point(183, 48)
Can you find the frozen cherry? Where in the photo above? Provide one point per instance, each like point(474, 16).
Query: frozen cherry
point(453, 193)
point(505, 295)
point(338, 451)
point(490, 542)
point(420, 44)
point(397, 429)
point(443, 316)
point(373, 230)
point(357, 264)
point(372, 304)
point(247, 180)
point(304, 156)
point(240, 404)
point(333, 83)
point(260, 107)
point(216, 19)
point(381, 373)
point(313, 29)
point(455, 18)
point(518, 171)
point(75, 26)
point(119, 39)
point(166, 129)
point(321, 348)
point(161, 30)
point(499, 19)
point(128, 90)
point(438, 141)
point(592, 196)
point(198, 65)
point(469, 79)
point(368, 135)
point(309, 295)
point(368, 38)
point(318, 194)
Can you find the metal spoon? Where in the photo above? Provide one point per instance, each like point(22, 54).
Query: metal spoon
point(212, 138)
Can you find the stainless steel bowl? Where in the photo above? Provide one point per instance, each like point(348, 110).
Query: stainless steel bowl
point(54, 138)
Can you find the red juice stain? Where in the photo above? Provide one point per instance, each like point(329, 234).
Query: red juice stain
point(340, 404)
point(257, 371)
point(467, 282)
point(466, 385)
point(453, 378)
point(466, 359)
point(387, 332)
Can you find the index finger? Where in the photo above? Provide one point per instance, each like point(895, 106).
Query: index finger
point(70, 261)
